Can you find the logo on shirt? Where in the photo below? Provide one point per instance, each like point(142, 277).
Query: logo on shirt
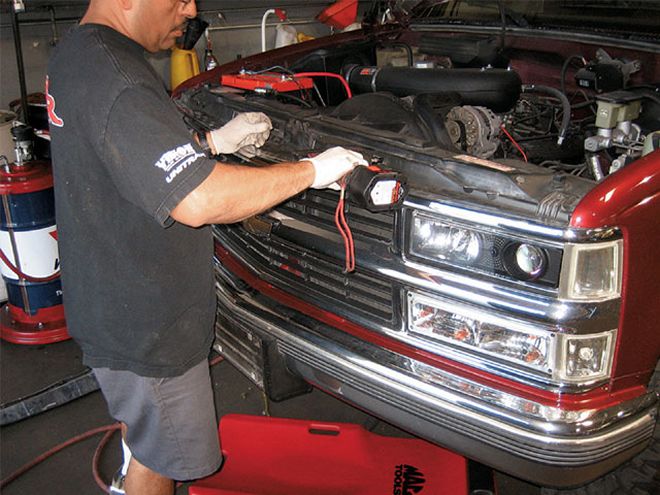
point(177, 160)
point(53, 119)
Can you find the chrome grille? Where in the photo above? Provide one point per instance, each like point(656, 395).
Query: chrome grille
point(311, 277)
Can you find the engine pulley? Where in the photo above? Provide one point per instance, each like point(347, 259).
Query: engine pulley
point(474, 130)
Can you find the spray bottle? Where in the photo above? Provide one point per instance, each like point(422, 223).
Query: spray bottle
point(210, 62)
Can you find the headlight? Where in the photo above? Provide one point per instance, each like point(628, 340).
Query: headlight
point(561, 357)
point(486, 333)
point(592, 272)
point(444, 241)
point(530, 260)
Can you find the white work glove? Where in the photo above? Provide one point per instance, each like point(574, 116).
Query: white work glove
point(246, 129)
point(333, 164)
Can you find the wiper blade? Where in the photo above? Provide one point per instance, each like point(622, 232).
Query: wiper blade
point(518, 19)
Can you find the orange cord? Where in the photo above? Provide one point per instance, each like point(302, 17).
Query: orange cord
point(344, 229)
point(78, 438)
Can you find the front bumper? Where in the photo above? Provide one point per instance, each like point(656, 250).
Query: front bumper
point(544, 445)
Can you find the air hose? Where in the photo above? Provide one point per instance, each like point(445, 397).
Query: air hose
point(109, 430)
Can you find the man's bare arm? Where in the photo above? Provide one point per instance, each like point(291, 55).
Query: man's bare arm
point(233, 192)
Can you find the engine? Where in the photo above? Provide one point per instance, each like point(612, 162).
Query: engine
point(590, 131)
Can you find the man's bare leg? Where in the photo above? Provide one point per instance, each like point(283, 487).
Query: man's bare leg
point(141, 480)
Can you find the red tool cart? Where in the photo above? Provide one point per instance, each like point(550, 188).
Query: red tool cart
point(275, 456)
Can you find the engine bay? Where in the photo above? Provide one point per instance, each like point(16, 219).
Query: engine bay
point(586, 114)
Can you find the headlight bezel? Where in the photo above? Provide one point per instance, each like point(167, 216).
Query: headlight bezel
point(495, 254)
point(565, 307)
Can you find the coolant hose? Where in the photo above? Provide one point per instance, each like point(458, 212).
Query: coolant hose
point(566, 117)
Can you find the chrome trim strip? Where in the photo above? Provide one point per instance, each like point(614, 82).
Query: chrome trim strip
point(557, 437)
point(505, 224)
point(578, 317)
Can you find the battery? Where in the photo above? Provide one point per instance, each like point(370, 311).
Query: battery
point(267, 81)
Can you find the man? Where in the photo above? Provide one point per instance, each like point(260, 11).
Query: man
point(134, 194)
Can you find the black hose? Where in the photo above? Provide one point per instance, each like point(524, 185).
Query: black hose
point(652, 97)
point(564, 68)
point(296, 99)
point(566, 105)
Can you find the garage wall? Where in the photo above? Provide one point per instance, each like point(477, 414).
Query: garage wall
point(234, 31)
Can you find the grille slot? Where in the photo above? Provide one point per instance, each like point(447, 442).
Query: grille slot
point(318, 207)
point(311, 277)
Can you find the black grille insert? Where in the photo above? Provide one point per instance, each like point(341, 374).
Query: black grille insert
point(318, 207)
point(310, 277)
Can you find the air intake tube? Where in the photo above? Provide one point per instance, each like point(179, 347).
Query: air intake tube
point(497, 89)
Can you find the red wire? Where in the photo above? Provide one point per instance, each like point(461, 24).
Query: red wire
point(22, 275)
point(513, 141)
point(350, 266)
point(216, 360)
point(340, 206)
point(349, 93)
point(345, 230)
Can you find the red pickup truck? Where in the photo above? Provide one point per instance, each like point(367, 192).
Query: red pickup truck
point(505, 296)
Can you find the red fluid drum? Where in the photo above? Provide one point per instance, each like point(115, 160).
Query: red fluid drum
point(29, 259)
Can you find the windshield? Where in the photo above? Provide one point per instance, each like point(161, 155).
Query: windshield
point(622, 17)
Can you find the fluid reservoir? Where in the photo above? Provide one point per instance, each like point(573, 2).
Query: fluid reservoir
point(29, 259)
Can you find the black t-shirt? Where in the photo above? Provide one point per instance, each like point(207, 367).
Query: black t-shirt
point(137, 286)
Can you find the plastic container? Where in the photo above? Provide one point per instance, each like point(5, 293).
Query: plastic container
point(285, 35)
point(184, 64)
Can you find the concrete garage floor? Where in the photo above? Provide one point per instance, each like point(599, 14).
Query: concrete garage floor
point(26, 369)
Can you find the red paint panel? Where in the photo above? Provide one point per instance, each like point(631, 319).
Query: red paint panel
point(630, 200)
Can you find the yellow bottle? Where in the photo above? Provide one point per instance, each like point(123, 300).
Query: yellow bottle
point(184, 64)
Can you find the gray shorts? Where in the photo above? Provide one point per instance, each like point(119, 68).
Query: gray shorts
point(172, 427)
